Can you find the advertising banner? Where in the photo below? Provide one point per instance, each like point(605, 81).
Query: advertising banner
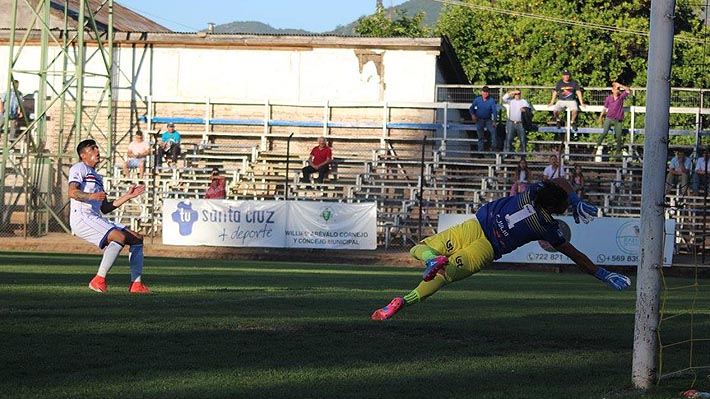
point(606, 241)
point(278, 224)
point(224, 223)
point(332, 225)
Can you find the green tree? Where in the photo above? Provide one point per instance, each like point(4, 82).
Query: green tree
point(529, 43)
point(379, 24)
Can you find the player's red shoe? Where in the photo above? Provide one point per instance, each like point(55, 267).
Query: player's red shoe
point(390, 310)
point(138, 288)
point(98, 284)
point(433, 266)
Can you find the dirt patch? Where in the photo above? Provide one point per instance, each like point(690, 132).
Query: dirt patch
point(66, 243)
point(683, 265)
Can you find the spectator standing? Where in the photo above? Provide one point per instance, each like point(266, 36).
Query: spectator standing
point(700, 177)
point(11, 104)
point(318, 161)
point(554, 169)
point(565, 91)
point(522, 175)
point(88, 203)
point(169, 145)
point(217, 188)
point(514, 124)
point(678, 171)
point(612, 115)
point(484, 113)
point(578, 181)
point(138, 151)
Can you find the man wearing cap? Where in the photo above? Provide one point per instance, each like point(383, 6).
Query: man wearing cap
point(565, 91)
point(514, 124)
point(484, 113)
point(169, 144)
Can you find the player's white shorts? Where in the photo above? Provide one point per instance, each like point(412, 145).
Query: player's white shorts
point(563, 105)
point(92, 228)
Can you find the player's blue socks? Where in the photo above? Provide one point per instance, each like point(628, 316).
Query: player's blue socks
point(135, 260)
point(110, 254)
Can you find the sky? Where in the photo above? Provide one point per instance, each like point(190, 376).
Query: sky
point(312, 15)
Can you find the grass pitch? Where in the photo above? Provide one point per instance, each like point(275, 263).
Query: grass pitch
point(239, 329)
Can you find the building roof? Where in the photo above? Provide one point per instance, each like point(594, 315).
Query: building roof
point(132, 28)
point(124, 19)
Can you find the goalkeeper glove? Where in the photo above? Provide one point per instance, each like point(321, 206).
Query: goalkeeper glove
point(614, 280)
point(581, 210)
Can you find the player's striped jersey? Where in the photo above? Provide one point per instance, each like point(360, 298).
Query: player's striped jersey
point(513, 221)
point(89, 182)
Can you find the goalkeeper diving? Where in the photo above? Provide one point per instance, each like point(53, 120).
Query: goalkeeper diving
point(498, 228)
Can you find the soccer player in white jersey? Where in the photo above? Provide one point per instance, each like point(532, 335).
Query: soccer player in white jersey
point(88, 202)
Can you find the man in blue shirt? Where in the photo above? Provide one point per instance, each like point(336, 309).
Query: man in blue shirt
point(169, 144)
point(484, 113)
point(499, 228)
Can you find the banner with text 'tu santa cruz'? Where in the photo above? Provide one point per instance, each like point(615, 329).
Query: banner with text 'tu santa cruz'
point(278, 224)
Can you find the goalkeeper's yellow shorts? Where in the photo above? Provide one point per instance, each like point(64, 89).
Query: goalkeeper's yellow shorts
point(466, 246)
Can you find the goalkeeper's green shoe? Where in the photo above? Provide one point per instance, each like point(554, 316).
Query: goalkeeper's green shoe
point(390, 310)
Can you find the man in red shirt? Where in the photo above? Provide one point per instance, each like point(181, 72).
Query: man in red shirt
point(319, 161)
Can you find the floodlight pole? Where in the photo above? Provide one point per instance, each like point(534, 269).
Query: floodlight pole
point(648, 284)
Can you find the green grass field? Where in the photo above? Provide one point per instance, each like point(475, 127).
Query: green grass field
point(240, 329)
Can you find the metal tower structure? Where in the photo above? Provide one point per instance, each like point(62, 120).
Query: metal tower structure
point(63, 48)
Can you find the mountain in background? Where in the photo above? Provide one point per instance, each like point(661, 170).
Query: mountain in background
point(432, 9)
point(257, 28)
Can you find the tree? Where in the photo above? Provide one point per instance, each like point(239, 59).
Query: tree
point(378, 24)
point(530, 43)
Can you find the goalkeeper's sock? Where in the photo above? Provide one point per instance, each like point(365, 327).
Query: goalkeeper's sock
point(423, 252)
point(412, 298)
point(110, 254)
point(425, 289)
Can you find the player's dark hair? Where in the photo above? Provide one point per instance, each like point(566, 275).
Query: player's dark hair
point(83, 145)
point(551, 196)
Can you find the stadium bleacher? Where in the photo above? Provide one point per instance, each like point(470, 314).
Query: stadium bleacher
point(414, 169)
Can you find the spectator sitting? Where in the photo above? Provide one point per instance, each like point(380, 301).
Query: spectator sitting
point(169, 144)
point(522, 174)
point(553, 170)
point(700, 177)
point(138, 150)
point(565, 91)
point(678, 171)
point(318, 161)
point(216, 189)
point(578, 181)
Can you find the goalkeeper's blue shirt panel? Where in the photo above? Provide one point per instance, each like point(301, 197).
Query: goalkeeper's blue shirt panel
point(512, 222)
